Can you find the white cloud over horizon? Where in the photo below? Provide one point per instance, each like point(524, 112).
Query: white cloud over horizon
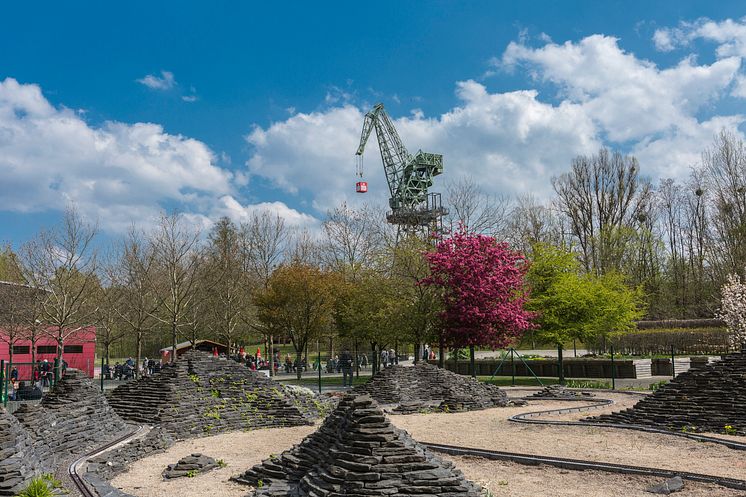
point(593, 93)
point(118, 173)
point(513, 142)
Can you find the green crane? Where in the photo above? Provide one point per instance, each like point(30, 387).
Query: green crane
point(408, 176)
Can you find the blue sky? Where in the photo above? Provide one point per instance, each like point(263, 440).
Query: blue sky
point(222, 108)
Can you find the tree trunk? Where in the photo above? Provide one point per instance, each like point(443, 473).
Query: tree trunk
point(173, 342)
point(561, 369)
point(298, 369)
point(441, 351)
point(417, 353)
point(138, 351)
point(272, 356)
point(357, 360)
point(472, 364)
point(374, 362)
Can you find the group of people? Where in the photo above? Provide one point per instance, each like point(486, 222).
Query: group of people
point(388, 358)
point(42, 377)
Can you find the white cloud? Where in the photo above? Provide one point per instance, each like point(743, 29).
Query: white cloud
point(514, 142)
point(730, 36)
point(165, 82)
point(508, 141)
point(228, 206)
point(119, 173)
point(189, 98)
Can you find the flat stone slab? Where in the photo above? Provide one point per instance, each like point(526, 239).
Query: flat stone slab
point(190, 466)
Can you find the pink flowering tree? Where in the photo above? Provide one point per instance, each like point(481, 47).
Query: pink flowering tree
point(483, 290)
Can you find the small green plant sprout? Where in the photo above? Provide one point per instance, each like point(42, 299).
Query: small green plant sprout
point(194, 378)
point(37, 488)
point(221, 463)
point(502, 482)
point(729, 430)
point(260, 484)
point(688, 429)
point(215, 393)
point(51, 480)
point(191, 474)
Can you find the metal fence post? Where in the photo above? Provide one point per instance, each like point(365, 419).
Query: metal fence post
point(318, 357)
point(512, 363)
point(673, 364)
point(3, 388)
point(101, 374)
point(613, 370)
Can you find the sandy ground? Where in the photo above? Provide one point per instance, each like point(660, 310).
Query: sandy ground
point(490, 429)
point(487, 429)
point(239, 450)
point(505, 479)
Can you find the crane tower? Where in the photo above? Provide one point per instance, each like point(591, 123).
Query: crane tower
point(408, 176)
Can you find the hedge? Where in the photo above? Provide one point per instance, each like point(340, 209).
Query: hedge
point(693, 341)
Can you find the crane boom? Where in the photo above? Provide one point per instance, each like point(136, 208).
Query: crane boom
point(408, 176)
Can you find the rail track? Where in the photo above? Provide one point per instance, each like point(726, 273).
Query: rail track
point(72, 470)
point(578, 464)
point(593, 404)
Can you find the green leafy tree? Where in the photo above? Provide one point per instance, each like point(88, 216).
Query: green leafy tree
point(298, 302)
point(574, 306)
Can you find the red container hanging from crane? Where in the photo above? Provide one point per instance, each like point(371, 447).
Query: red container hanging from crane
point(361, 187)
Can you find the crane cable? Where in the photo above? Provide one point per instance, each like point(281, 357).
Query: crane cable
point(359, 165)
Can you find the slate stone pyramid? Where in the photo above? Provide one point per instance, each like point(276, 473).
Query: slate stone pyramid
point(357, 452)
point(19, 461)
point(425, 386)
point(72, 417)
point(201, 394)
point(705, 398)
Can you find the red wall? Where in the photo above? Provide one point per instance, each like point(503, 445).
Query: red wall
point(84, 361)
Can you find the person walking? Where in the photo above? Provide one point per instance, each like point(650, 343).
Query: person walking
point(345, 364)
point(385, 358)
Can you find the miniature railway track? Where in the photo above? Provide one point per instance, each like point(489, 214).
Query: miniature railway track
point(72, 470)
point(578, 464)
point(592, 404)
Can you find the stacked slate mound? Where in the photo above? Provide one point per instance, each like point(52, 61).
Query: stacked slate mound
point(19, 461)
point(705, 398)
point(201, 394)
point(70, 419)
point(560, 392)
point(424, 386)
point(357, 452)
point(190, 466)
point(312, 406)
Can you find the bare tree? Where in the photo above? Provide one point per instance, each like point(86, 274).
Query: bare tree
point(725, 168)
point(351, 240)
point(132, 291)
point(174, 276)
point(605, 200)
point(263, 240)
point(63, 262)
point(476, 210)
point(228, 298)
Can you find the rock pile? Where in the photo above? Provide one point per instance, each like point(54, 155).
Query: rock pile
point(71, 419)
point(358, 452)
point(19, 461)
point(190, 466)
point(705, 398)
point(201, 394)
point(424, 386)
point(560, 392)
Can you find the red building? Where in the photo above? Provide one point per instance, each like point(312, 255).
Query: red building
point(79, 351)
